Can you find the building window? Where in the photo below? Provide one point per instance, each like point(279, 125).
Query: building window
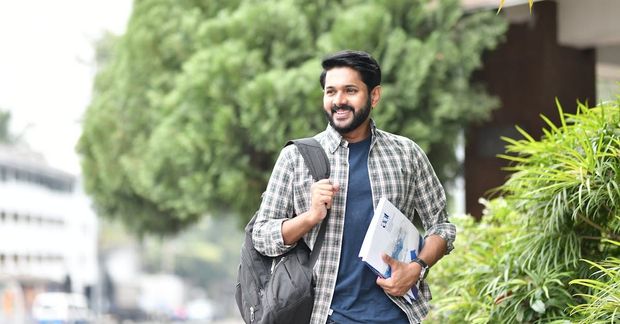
point(64, 184)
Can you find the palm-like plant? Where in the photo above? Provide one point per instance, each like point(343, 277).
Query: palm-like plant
point(501, 4)
point(560, 205)
point(567, 188)
point(567, 185)
point(603, 301)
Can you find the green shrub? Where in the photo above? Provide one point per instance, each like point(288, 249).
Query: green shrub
point(603, 302)
point(478, 255)
point(559, 206)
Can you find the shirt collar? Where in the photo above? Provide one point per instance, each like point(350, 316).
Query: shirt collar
point(334, 139)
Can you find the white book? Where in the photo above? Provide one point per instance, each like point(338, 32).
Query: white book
point(392, 233)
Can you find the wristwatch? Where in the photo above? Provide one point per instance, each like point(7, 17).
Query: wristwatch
point(424, 266)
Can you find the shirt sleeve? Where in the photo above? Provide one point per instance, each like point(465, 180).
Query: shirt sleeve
point(276, 207)
point(430, 200)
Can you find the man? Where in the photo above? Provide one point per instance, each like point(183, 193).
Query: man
point(366, 164)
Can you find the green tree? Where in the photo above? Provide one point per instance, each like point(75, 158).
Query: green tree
point(198, 97)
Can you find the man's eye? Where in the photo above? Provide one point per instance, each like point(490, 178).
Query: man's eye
point(351, 91)
point(329, 92)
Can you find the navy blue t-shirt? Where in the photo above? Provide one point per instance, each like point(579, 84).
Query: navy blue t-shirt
point(357, 297)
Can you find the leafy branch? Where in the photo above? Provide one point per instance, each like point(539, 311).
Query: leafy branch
point(501, 5)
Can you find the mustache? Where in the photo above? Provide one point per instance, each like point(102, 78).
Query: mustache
point(343, 107)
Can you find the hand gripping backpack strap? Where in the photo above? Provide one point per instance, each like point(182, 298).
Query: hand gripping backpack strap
point(316, 160)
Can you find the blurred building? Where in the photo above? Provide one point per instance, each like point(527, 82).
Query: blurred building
point(564, 49)
point(48, 232)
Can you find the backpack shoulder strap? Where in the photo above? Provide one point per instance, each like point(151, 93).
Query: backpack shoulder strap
point(317, 161)
point(314, 155)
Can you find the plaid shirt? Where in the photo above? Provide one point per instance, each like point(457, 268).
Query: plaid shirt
point(398, 170)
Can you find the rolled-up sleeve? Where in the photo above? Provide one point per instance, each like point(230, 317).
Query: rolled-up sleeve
point(276, 207)
point(430, 200)
point(447, 231)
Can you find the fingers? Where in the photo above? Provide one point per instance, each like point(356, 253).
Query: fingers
point(323, 192)
point(327, 185)
point(389, 260)
point(383, 283)
point(400, 281)
point(390, 286)
point(324, 200)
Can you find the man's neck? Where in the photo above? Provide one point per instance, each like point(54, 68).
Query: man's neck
point(359, 134)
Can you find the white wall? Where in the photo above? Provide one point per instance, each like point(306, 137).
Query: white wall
point(51, 233)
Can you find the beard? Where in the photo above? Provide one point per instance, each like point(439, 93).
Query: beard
point(359, 117)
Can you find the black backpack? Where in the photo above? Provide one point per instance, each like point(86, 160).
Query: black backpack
point(281, 289)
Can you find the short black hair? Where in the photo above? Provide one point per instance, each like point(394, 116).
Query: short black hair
point(360, 61)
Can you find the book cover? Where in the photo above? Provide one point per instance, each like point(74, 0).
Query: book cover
point(392, 233)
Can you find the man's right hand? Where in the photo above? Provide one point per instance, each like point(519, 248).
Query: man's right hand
point(322, 196)
point(322, 193)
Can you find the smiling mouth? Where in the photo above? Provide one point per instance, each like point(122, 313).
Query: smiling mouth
point(341, 110)
point(341, 113)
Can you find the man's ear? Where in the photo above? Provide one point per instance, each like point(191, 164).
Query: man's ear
point(375, 96)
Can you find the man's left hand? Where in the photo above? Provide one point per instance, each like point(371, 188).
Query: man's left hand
point(403, 277)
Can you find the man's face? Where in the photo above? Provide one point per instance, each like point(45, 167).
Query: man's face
point(346, 101)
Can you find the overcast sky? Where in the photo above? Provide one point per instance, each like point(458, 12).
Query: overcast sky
point(47, 68)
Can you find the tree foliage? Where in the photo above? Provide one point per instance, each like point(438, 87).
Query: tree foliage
point(501, 5)
point(525, 261)
point(198, 97)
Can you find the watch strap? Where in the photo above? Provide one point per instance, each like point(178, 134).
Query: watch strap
point(424, 266)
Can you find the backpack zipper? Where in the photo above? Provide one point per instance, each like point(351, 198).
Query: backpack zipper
point(274, 264)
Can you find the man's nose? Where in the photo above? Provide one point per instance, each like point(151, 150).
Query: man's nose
point(340, 99)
